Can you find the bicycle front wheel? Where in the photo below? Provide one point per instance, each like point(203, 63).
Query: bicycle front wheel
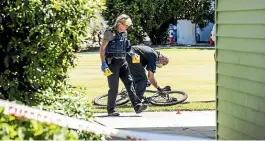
point(168, 99)
point(122, 98)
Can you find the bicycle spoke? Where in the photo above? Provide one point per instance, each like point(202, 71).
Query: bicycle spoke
point(168, 98)
point(121, 99)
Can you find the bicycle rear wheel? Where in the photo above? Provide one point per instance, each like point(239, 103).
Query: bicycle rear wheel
point(122, 98)
point(167, 99)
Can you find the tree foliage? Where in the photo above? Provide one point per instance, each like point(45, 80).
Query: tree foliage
point(153, 17)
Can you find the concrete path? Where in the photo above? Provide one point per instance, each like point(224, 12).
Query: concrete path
point(194, 124)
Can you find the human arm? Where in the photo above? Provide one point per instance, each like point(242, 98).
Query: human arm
point(151, 68)
point(107, 37)
point(102, 50)
point(153, 81)
point(102, 55)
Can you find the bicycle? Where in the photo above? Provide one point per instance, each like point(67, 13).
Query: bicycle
point(167, 95)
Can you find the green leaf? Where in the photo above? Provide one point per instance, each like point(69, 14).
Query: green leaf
point(36, 34)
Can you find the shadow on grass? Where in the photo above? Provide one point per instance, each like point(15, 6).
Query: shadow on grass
point(127, 105)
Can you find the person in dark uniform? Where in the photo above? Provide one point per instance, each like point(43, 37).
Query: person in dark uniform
point(149, 60)
point(113, 53)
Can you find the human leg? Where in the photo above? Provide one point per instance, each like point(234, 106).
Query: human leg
point(128, 83)
point(140, 87)
point(113, 82)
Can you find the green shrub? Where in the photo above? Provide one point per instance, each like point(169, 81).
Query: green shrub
point(36, 39)
point(69, 103)
point(12, 128)
point(36, 52)
point(66, 101)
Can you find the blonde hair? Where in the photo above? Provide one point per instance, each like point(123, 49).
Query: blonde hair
point(124, 19)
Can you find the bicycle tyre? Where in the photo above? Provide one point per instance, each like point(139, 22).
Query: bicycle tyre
point(98, 100)
point(153, 102)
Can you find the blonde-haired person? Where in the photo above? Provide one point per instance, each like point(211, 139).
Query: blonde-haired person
point(113, 52)
point(124, 19)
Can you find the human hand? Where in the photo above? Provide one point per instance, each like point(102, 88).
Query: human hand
point(167, 88)
point(160, 90)
point(104, 66)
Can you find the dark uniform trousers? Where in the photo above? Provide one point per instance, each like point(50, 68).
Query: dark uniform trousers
point(119, 68)
point(140, 87)
point(139, 77)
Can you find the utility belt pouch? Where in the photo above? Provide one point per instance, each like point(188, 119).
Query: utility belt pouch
point(109, 59)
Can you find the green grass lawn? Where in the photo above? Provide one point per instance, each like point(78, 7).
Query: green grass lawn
point(189, 70)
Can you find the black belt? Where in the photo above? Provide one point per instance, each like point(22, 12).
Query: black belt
point(116, 55)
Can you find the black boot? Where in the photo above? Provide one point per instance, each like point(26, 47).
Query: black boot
point(114, 114)
point(139, 108)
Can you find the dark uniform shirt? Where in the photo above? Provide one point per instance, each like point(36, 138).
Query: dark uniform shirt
point(148, 58)
point(110, 33)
